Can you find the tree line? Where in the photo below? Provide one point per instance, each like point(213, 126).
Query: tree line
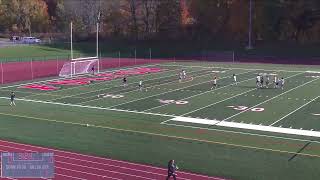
point(197, 20)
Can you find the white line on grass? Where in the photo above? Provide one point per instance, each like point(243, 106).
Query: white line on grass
point(242, 68)
point(135, 82)
point(164, 92)
point(239, 132)
point(268, 99)
point(294, 111)
point(201, 93)
point(138, 89)
point(221, 100)
point(97, 83)
point(36, 82)
point(88, 107)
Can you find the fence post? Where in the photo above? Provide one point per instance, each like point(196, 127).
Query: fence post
point(57, 65)
point(150, 55)
point(119, 58)
point(2, 73)
point(31, 69)
point(135, 56)
point(233, 57)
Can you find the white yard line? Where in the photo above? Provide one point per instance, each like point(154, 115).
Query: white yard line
point(294, 111)
point(238, 132)
point(164, 92)
point(138, 90)
point(201, 93)
point(238, 68)
point(269, 99)
point(135, 82)
point(248, 126)
point(221, 100)
point(96, 83)
point(88, 107)
point(36, 82)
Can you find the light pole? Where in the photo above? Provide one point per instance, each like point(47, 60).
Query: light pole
point(250, 27)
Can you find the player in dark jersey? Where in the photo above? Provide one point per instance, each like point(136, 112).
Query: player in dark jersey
point(12, 97)
point(172, 167)
point(92, 69)
point(267, 81)
point(261, 81)
point(124, 80)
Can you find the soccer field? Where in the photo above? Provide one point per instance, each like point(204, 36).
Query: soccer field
point(235, 131)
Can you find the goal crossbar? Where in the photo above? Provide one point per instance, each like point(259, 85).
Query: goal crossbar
point(85, 58)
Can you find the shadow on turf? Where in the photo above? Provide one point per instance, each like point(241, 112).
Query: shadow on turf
point(300, 150)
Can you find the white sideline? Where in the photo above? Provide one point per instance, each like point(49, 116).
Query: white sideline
point(69, 77)
point(315, 72)
point(277, 70)
point(88, 107)
point(248, 126)
point(294, 111)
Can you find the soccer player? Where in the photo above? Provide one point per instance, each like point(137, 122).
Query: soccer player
point(261, 81)
point(275, 81)
point(124, 80)
point(282, 83)
point(92, 69)
point(267, 81)
point(172, 167)
point(140, 85)
point(184, 74)
point(258, 80)
point(180, 76)
point(12, 96)
point(214, 83)
point(235, 78)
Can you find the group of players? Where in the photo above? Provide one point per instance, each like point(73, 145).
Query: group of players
point(182, 76)
point(262, 81)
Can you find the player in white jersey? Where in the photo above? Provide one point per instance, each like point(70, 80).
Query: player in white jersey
point(235, 79)
point(258, 80)
point(214, 85)
point(184, 74)
point(140, 85)
point(275, 82)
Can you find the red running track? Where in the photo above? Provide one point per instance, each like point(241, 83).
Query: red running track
point(74, 166)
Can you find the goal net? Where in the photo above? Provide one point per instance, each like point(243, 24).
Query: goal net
point(80, 66)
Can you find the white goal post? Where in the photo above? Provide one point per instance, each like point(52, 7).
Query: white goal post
point(82, 65)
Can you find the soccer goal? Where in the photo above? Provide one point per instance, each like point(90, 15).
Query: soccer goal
point(82, 65)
